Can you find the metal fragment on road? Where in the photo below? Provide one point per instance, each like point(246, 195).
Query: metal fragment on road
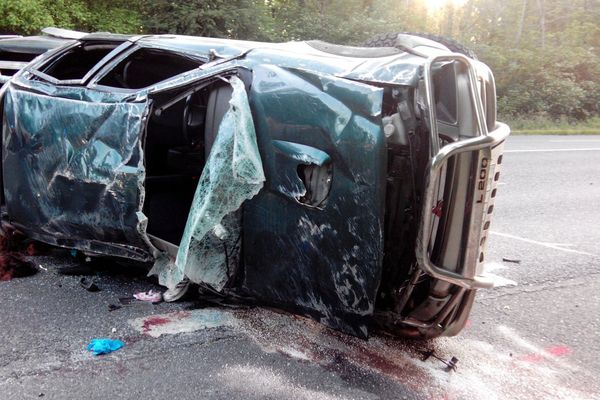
point(450, 365)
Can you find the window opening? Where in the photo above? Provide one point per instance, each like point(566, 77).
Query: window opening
point(145, 67)
point(75, 63)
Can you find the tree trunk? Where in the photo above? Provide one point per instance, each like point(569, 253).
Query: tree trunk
point(449, 31)
point(521, 23)
point(542, 9)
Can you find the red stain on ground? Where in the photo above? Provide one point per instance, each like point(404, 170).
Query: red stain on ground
point(157, 320)
point(554, 351)
point(390, 364)
point(154, 321)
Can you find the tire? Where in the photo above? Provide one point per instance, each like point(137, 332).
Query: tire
point(390, 40)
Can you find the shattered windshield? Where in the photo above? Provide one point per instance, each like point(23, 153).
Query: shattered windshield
point(209, 250)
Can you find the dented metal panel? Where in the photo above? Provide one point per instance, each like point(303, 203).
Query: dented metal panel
point(73, 171)
point(325, 261)
point(290, 206)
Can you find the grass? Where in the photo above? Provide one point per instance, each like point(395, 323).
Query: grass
point(539, 125)
point(555, 132)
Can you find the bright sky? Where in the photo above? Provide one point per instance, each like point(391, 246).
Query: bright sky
point(434, 5)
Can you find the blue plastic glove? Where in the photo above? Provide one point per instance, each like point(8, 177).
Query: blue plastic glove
point(104, 346)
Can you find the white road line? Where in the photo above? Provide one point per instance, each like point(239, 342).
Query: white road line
point(545, 244)
point(575, 141)
point(550, 150)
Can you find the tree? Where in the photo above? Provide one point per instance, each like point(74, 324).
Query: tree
point(23, 17)
point(247, 19)
point(30, 16)
point(545, 54)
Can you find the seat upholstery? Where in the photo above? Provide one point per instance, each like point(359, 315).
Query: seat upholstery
point(218, 104)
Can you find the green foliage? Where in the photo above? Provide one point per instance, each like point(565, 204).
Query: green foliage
point(338, 21)
point(28, 17)
point(545, 54)
point(243, 19)
point(539, 124)
point(25, 16)
point(120, 16)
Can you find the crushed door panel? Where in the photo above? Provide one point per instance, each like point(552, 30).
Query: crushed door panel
point(73, 171)
point(321, 257)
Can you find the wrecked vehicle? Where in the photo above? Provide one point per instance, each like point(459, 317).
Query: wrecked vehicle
point(16, 51)
point(354, 185)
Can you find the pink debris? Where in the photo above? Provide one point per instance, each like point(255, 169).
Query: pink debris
point(150, 296)
point(556, 351)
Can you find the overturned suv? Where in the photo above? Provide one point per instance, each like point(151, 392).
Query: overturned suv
point(351, 184)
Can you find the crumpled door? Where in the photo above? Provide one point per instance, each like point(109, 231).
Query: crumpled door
point(313, 239)
point(73, 170)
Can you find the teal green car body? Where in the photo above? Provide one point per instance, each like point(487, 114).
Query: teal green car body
point(74, 154)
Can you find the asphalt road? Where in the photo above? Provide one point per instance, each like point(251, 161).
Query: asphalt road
point(546, 218)
point(535, 337)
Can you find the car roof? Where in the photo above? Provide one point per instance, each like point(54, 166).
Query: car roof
point(376, 65)
point(231, 47)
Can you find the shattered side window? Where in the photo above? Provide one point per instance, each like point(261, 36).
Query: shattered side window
point(75, 63)
point(145, 67)
point(233, 173)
